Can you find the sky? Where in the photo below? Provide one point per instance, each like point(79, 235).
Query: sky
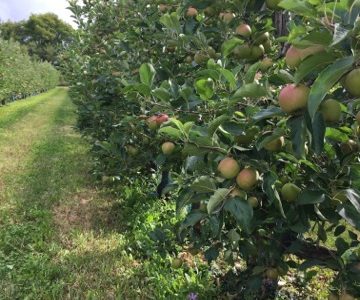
point(16, 10)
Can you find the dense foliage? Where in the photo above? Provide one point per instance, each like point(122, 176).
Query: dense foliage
point(260, 158)
point(21, 76)
point(44, 35)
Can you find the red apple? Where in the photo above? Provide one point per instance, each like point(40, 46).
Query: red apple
point(243, 30)
point(247, 178)
point(228, 167)
point(293, 97)
point(168, 148)
point(191, 12)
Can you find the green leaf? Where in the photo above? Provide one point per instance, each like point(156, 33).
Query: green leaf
point(251, 72)
point(229, 45)
point(313, 64)
point(171, 132)
point(336, 135)
point(241, 211)
point(310, 197)
point(147, 74)
point(205, 88)
point(297, 126)
point(272, 194)
point(251, 90)
point(318, 128)
point(326, 80)
point(204, 184)
point(340, 33)
point(214, 125)
point(299, 7)
point(216, 199)
point(162, 94)
point(267, 113)
point(348, 212)
point(171, 22)
point(229, 76)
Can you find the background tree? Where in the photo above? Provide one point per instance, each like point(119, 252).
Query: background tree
point(45, 35)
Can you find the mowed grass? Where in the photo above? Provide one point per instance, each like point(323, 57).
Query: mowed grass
point(61, 237)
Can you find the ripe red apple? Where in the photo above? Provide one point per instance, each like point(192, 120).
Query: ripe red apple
point(191, 12)
point(152, 122)
point(243, 30)
point(272, 4)
point(351, 82)
point(226, 17)
point(168, 148)
point(228, 167)
point(247, 178)
point(293, 97)
point(358, 117)
point(162, 118)
point(290, 192)
point(275, 145)
point(253, 201)
point(331, 110)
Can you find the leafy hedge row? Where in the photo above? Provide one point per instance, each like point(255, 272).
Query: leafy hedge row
point(20, 76)
point(220, 82)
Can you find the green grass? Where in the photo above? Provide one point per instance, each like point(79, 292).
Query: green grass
point(61, 237)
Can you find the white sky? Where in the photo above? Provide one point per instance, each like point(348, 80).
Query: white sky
point(16, 10)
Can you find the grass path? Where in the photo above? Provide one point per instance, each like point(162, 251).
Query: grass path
point(60, 236)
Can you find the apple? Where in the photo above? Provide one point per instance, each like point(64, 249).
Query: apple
point(266, 63)
point(267, 46)
point(162, 118)
point(226, 17)
point(273, 4)
point(293, 97)
point(200, 58)
point(152, 122)
point(243, 30)
point(188, 59)
point(176, 263)
point(191, 12)
point(358, 117)
point(293, 57)
point(163, 7)
point(248, 137)
point(238, 193)
point(209, 11)
point(345, 296)
point(253, 201)
point(247, 178)
point(228, 168)
point(290, 192)
point(275, 145)
point(351, 82)
point(257, 52)
point(262, 38)
point(331, 110)
point(333, 296)
point(312, 50)
point(242, 51)
point(131, 150)
point(272, 273)
point(168, 148)
point(349, 147)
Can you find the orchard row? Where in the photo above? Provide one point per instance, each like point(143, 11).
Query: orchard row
point(20, 76)
point(253, 134)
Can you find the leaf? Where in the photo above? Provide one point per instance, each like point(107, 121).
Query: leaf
point(171, 132)
point(267, 113)
point(326, 80)
point(279, 132)
point(340, 33)
point(318, 128)
point(192, 218)
point(313, 64)
point(270, 190)
point(310, 197)
point(229, 76)
point(162, 94)
point(297, 126)
point(216, 199)
point(241, 211)
point(205, 88)
point(147, 74)
point(299, 7)
point(251, 90)
point(233, 128)
point(250, 74)
point(336, 135)
point(204, 184)
point(350, 214)
point(354, 198)
point(171, 22)
point(229, 45)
